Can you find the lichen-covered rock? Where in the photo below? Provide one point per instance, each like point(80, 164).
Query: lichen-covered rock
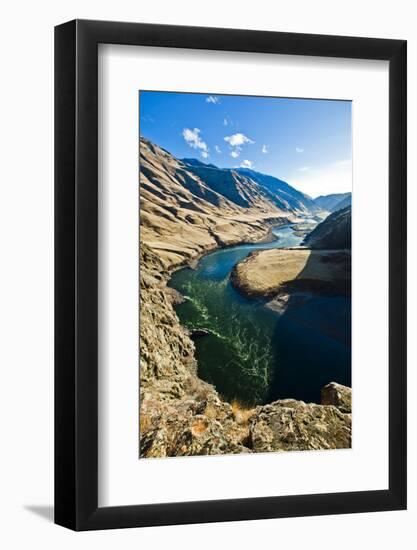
point(190, 428)
point(337, 395)
point(180, 414)
point(290, 425)
point(166, 351)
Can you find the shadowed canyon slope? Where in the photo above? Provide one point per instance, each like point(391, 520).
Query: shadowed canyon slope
point(333, 233)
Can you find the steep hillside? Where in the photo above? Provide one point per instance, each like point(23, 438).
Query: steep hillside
point(239, 189)
point(333, 202)
point(347, 201)
point(333, 233)
point(282, 193)
point(188, 208)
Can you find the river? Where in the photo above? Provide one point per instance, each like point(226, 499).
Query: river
point(252, 353)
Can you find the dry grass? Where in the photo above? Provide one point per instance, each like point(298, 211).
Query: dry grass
point(198, 427)
point(144, 423)
point(241, 412)
point(196, 388)
point(211, 412)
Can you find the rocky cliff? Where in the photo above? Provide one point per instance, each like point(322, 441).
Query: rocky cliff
point(289, 425)
point(179, 413)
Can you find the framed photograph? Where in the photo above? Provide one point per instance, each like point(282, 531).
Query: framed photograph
point(230, 248)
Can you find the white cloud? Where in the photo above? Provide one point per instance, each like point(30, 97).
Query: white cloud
point(192, 137)
point(227, 121)
point(299, 150)
point(246, 164)
point(213, 99)
point(237, 140)
point(304, 168)
point(217, 148)
point(264, 149)
point(333, 178)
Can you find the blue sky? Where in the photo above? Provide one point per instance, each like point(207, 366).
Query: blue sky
point(306, 142)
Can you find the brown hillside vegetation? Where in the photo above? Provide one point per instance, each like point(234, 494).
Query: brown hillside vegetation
point(181, 216)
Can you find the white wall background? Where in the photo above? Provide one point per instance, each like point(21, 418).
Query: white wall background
point(26, 286)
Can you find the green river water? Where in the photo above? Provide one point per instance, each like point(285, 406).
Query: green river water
point(252, 353)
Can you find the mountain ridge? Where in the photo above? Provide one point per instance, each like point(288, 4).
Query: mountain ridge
point(334, 201)
point(182, 217)
point(188, 207)
point(293, 197)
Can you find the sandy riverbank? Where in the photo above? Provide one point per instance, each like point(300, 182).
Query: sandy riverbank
point(266, 273)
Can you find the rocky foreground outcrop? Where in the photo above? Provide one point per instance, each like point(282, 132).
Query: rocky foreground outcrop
point(290, 425)
point(338, 395)
point(211, 427)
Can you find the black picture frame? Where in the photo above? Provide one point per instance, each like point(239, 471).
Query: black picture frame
point(76, 272)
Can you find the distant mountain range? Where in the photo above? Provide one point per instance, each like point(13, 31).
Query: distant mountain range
point(282, 193)
point(334, 202)
point(248, 188)
point(332, 233)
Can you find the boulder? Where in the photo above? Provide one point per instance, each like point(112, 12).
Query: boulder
point(191, 428)
point(337, 395)
point(290, 425)
point(196, 333)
